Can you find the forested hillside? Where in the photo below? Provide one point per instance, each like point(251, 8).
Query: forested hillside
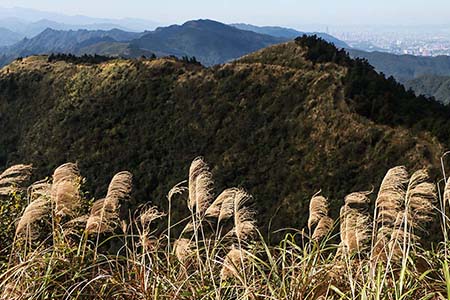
point(283, 123)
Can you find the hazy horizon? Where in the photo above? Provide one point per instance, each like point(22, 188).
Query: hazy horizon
point(291, 13)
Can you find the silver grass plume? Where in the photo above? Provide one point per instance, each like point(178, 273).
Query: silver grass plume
point(318, 208)
point(200, 186)
point(447, 192)
point(358, 199)
point(13, 178)
point(391, 196)
point(66, 190)
point(398, 236)
point(420, 198)
point(418, 209)
point(227, 210)
point(176, 190)
point(244, 217)
point(184, 250)
point(39, 207)
point(120, 186)
point(73, 226)
point(232, 264)
point(149, 215)
point(388, 205)
point(222, 207)
point(146, 218)
point(355, 231)
point(104, 216)
point(323, 228)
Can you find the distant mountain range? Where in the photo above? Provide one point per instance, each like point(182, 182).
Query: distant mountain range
point(33, 32)
point(17, 23)
point(209, 41)
point(76, 42)
point(289, 33)
point(28, 17)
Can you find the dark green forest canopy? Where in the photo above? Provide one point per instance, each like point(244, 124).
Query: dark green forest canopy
point(282, 123)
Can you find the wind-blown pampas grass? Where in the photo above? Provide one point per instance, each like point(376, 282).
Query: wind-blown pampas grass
point(13, 178)
point(120, 186)
point(146, 218)
point(244, 217)
point(184, 250)
point(222, 207)
point(66, 190)
point(200, 187)
point(388, 205)
point(150, 264)
point(359, 199)
point(319, 223)
point(420, 198)
point(104, 216)
point(417, 210)
point(232, 264)
point(324, 226)
point(391, 196)
point(149, 215)
point(318, 208)
point(245, 224)
point(39, 207)
point(354, 229)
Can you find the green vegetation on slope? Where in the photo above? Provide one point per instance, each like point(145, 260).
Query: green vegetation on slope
point(210, 41)
point(405, 67)
point(431, 86)
point(283, 123)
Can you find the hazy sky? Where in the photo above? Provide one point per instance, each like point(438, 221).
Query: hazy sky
point(277, 12)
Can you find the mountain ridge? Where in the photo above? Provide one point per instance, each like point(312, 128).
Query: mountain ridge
point(282, 122)
point(211, 42)
point(289, 33)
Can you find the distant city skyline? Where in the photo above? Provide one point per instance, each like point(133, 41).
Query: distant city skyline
point(293, 13)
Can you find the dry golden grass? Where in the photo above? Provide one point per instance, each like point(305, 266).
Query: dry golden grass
point(13, 178)
point(220, 253)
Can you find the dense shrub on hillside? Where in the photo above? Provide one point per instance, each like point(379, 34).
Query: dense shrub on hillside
point(321, 51)
point(83, 59)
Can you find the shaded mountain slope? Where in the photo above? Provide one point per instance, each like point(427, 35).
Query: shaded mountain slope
point(283, 123)
point(405, 67)
point(8, 37)
point(289, 33)
point(432, 86)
